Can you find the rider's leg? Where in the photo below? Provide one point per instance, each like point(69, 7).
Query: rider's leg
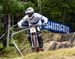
point(40, 41)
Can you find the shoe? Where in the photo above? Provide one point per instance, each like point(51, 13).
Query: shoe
point(41, 49)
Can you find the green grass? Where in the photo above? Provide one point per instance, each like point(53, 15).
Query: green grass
point(11, 52)
point(57, 54)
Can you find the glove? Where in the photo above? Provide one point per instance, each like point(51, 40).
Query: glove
point(44, 23)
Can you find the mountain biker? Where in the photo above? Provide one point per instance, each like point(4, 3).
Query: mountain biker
point(32, 18)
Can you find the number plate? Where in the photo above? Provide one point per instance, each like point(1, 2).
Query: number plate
point(32, 30)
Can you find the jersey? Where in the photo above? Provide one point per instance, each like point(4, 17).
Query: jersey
point(36, 18)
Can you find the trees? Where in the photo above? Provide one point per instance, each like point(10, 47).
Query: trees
point(57, 10)
point(10, 8)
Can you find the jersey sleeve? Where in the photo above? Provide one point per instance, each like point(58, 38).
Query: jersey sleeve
point(45, 19)
point(21, 22)
point(41, 17)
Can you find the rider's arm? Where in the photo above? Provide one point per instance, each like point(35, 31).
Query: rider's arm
point(41, 17)
point(44, 19)
point(21, 22)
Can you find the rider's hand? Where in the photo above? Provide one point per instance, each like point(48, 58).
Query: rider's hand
point(44, 23)
point(33, 25)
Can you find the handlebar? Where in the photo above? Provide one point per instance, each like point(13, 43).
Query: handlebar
point(24, 29)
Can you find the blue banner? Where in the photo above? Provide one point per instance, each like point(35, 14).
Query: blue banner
point(57, 27)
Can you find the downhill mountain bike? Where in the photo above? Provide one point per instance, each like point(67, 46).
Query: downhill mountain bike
point(34, 37)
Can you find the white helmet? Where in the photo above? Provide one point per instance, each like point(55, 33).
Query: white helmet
point(29, 10)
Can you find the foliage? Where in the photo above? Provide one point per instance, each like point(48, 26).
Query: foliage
point(22, 43)
point(12, 6)
point(1, 8)
point(1, 28)
point(57, 10)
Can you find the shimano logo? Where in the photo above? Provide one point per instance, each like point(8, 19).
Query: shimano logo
point(57, 27)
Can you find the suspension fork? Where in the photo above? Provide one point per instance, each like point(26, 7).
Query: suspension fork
point(34, 40)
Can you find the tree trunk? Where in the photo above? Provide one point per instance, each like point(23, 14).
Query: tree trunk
point(39, 6)
point(8, 33)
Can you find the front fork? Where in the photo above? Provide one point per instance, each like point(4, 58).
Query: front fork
point(35, 43)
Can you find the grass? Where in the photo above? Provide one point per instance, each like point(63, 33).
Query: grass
point(57, 54)
point(11, 52)
point(8, 53)
point(20, 38)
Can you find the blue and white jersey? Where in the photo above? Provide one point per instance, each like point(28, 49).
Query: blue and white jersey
point(34, 19)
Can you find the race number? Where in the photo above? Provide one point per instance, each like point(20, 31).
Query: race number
point(32, 30)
